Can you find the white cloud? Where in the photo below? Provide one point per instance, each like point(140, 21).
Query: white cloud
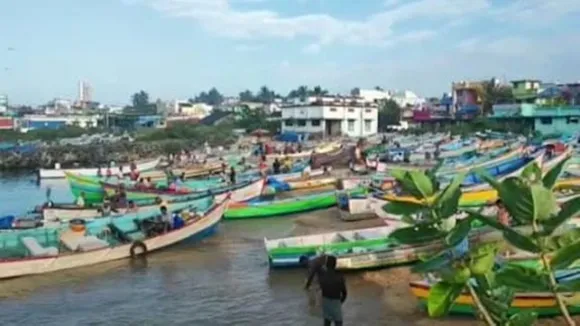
point(220, 17)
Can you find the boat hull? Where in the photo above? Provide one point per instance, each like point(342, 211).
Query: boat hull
point(61, 173)
point(40, 265)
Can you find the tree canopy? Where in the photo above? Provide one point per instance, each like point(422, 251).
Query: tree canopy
point(211, 97)
point(140, 100)
point(389, 113)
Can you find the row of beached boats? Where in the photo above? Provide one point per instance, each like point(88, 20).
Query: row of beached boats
point(70, 236)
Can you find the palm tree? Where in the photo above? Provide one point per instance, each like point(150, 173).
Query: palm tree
point(493, 93)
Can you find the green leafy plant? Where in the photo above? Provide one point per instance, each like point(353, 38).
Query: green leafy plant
point(530, 201)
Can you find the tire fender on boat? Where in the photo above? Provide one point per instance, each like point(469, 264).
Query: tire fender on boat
point(142, 249)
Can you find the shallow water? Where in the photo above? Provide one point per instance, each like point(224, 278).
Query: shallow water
point(223, 280)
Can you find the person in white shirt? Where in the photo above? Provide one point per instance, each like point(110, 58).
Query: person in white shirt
point(81, 200)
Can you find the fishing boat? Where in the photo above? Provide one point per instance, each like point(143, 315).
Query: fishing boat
point(58, 213)
point(260, 209)
point(85, 249)
point(481, 197)
point(339, 157)
point(542, 303)
point(309, 184)
point(58, 173)
point(359, 249)
point(502, 171)
point(480, 162)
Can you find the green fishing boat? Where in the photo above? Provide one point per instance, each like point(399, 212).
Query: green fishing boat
point(246, 210)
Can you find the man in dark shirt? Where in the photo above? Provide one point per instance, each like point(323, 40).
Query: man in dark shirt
point(276, 166)
point(333, 289)
point(232, 175)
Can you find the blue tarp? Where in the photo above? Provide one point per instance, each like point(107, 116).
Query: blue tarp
point(292, 137)
point(6, 222)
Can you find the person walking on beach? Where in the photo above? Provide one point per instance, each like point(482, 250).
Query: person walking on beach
point(333, 288)
point(313, 267)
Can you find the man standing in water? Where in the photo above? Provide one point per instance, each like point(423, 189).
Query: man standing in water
point(333, 289)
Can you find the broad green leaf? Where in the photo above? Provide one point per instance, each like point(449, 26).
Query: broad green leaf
point(523, 318)
point(522, 278)
point(448, 194)
point(416, 234)
point(525, 202)
point(402, 208)
point(532, 173)
point(566, 238)
point(569, 209)
point(488, 220)
point(449, 207)
point(399, 175)
point(521, 241)
point(458, 275)
point(432, 264)
point(458, 233)
point(552, 176)
point(441, 297)
point(421, 183)
point(564, 257)
point(482, 259)
point(485, 282)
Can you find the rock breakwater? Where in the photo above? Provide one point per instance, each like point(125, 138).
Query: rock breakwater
point(89, 155)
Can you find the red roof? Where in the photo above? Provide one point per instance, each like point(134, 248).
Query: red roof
point(6, 123)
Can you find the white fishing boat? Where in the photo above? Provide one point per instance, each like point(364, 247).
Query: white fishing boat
point(85, 250)
point(58, 173)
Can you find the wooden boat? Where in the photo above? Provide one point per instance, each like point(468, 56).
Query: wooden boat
point(542, 303)
point(338, 158)
point(358, 249)
point(484, 162)
point(61, 173)
point(64, 212)
point(87, 250)
point(247, 210)
point(254, 186)
point(502, 171)
point(190, 172)
point(481, 197)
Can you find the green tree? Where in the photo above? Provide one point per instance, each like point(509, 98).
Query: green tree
point(355, 91)
point(140, 100)
point(319, 91)
point(493, 93)
point(212, 97)
point(247, 96)
point(389, 113)
point(265, 95)
point(252, 119)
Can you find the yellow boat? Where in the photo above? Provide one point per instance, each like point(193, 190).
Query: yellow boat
point(313, 184)
point(482, 197)
point(543, 303)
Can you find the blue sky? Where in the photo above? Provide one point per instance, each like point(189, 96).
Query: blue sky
point(177, 48)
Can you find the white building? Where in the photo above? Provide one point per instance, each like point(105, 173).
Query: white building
point(3, 103)
point(407, 98)
point(374, 95)
point(332, 116)
point(191, 110)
